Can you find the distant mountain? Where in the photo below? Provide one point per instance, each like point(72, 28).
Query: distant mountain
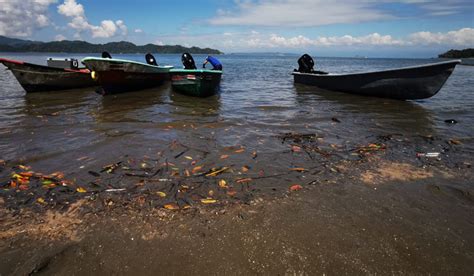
point(466, 53)
point(18, 45)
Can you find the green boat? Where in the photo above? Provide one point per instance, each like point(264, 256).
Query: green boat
point(196, 82)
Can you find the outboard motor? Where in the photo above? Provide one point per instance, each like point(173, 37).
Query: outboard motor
point(106, 55)
point(306, 64)
point(150, 59)
point(188, 61)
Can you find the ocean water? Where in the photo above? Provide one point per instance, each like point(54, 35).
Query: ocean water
point(258, 101)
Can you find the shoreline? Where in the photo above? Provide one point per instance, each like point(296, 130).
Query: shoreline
point(377, 211)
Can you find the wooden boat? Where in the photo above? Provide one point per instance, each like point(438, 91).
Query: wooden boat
point(37, 78)
point(194, 82)
point(409, 83)
point(117, 76)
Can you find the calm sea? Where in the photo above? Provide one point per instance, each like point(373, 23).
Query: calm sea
point(258, 101)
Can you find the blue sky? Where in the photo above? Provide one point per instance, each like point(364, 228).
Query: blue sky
point(408, 28)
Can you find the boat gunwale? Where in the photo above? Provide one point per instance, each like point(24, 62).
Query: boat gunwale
point(53, 70)
point(190, 71)
point(454, 62)
point(113, 60)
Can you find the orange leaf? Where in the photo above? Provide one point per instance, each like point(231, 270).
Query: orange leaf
point(224, 156)
point(295, 188)
point(243, 180)
point(298, 169)
point(240, 150)
point(196, 169)
point(171, 206)
point(231, 193)
point(245, 169)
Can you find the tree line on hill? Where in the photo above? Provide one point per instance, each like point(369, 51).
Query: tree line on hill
point(18, 45)
point(466, 53)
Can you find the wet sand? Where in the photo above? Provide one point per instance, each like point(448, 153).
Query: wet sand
point(377, 211)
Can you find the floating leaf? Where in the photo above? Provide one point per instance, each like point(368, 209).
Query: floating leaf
point(41, 200)
point(224, 156)
point(243, 180)
point(171, 206)
point(222, 183)
point(26, 174)
point(254, 154)
point(295, 149)
point(188, 157)
point(298, 169)
point(231, 193)
point(295, 188)
point(208, 200)
point(161, 194)
point(196, 169)
point(81, 190)
point(455, 142)
point(240, 150)
point(24, 167)
point(47, 182)
point(218, 171)
point(59, 175)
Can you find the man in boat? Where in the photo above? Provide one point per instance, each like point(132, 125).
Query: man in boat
point(216, 64)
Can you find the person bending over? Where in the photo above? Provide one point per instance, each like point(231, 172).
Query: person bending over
point(216, 64)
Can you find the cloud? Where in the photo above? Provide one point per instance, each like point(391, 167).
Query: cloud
point(254, 40)
point(59, 37)
point(298, 13)
point(310, 13)
point(462, 37)
point(21, 18)
point(138, 31)
point(79, 22)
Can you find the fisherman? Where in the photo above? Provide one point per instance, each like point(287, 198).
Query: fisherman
point(216, 64)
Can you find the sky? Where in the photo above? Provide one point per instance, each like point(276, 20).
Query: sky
point(385, 28)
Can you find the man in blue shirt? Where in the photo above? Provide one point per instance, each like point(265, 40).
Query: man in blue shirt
point(216, 64)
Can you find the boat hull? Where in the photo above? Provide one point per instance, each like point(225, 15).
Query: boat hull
point(197, 83)
point(410, 83)
point(39, 78)
point(119, 76)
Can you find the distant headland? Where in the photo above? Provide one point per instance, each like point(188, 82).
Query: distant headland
point(466, 53)
point(66, 46)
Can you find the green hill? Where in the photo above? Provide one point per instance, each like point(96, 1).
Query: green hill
point(466, 53)
point(18, 45)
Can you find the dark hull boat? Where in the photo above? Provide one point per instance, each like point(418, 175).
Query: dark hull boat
point(198, 83)
point(410, 83)
point(118, 76)
point(38, 78)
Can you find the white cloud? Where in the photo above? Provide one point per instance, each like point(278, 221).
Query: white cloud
point(79, 22)
point(59, 37)
point(462, 37)
point(21, 18)
point(310, 13)
point(258, 41)
point(138, 31)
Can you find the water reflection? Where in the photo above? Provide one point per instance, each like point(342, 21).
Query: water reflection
point(404, 117)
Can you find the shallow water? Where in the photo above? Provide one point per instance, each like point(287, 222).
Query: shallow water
point(258, 101)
